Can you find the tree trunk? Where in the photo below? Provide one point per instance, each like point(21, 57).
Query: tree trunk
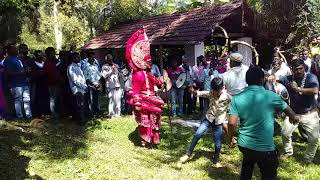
point(57, 32)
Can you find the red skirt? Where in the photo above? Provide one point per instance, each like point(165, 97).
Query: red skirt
point(148, 126)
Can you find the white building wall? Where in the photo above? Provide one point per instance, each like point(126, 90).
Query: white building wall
point(198, 51)
point(245, 50)
point(193, 51)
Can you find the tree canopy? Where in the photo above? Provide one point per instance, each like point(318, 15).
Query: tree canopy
point(32, 21)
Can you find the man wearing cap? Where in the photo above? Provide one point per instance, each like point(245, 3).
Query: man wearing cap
point(235, 77)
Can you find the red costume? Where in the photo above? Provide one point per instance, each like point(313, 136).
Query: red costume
point(146, 106)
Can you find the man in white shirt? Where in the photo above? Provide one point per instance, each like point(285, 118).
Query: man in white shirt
point(198, 78)
point(307, 60)
point(235, 78)
point(110, 72)
point(279, 69)
point(188, 105)
point(78, 86)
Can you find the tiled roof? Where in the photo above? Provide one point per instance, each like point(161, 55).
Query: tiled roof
point(178, 28)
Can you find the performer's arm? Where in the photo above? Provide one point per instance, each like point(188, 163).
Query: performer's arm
point(156, 81)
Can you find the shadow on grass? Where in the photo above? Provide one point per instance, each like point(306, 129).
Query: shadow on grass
point(134, 137)
point(176, 143)
point(13, 165)
point(60, 140)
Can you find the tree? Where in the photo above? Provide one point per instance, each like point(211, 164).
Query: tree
point(12, 15)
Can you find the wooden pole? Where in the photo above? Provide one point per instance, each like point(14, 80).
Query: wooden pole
point(166, 90)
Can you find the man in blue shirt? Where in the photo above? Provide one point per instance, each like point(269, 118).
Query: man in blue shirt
point(91, 71)
point(155, 69)
point(255, 108)
point(302, 88)
point(18, 84)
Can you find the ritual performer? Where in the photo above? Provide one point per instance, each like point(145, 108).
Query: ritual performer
point(146, 106)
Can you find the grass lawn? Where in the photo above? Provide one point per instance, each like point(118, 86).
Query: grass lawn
point(108, 149)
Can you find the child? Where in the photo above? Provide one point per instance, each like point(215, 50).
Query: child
point(215, 116)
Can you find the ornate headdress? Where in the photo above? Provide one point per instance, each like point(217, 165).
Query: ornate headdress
point(138, 51)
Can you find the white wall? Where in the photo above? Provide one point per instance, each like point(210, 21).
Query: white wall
point(245, 50)
point(193, 51)
point(189, 53)
point(198, 51)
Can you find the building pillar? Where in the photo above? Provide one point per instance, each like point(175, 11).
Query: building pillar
point(245, 50)
point(193, 51)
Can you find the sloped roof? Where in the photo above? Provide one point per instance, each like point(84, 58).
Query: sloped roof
point(176, 29)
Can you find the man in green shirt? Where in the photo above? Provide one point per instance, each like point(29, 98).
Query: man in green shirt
point(255, 108)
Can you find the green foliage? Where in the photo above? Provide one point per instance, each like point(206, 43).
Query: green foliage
point(127, 10)
point(12, 15)
point(74, 32)
point(308, 23)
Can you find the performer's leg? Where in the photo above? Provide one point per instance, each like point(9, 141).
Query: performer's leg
point(202, 128)
point(156, 129)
